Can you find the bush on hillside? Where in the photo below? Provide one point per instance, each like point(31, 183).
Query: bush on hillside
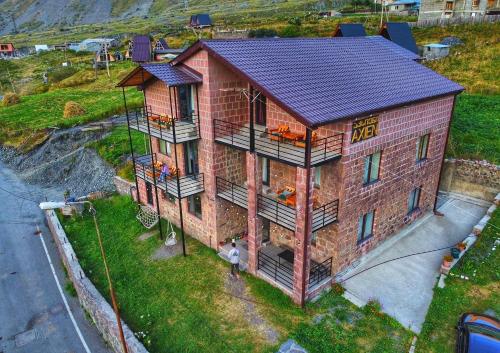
point(61, 73)
point(10, 99)
point(262, 33)
point(72, 109)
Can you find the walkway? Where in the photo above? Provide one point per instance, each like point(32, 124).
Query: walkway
point(405, 287)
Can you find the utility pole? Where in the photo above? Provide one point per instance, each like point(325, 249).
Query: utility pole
point(107, 61)
point(13, 19)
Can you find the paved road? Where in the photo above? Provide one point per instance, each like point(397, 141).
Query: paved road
point(33, 315)
point(405, 287)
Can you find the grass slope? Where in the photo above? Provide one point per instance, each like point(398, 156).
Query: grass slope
point(478, 294)
point(182, 305)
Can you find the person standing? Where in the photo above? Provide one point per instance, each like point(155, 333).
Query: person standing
point(234, 258)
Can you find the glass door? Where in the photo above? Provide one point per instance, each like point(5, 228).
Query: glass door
point(186, 102)
point(191, 158)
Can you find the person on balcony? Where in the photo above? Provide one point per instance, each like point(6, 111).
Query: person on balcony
point(165, 172)
point(234, 259)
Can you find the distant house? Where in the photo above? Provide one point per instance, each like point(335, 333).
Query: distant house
point(200, 21)
point(331, 13)
point(435, 9)
point(63, 46)
point(350, 30)
point(435, 51)
point(141, 49)
point(399, 33)
point(7, 49)
point(95, 44)
point(405, 7)
point(41, 47)
point(74, 46)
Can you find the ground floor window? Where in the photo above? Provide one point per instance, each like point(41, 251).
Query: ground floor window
point(266, 230)
point(414, 199)
point(317, 177)
point(365, 226)
point(314, 237)
point(149, 193)
point(194, 205)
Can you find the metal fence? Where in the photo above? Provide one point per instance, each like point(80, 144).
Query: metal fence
point(278, 272)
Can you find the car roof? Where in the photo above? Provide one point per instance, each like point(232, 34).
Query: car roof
point(483, 320)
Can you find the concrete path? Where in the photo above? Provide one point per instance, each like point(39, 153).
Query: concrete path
point(405, 287)
point(33, 315)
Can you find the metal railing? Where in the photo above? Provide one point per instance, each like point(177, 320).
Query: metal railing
point(276, 212)
point(319, 271)
point(236, 135)
point(280, 273)
point(274, 146)
point(326, 148)
point(325, 215)
point(189, 184)
point(173, 130)
point(231, 192)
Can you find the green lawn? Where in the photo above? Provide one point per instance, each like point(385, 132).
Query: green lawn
point(475, 128)
point(41, 111)
point(481, 292)
point(115, 148)
point(183, 305)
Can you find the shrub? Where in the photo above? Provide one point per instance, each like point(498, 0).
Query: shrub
point(10, 99)
point(262, 33)
point(61, 73)
point(338, 289)
point(72, 109)
point(290, 31)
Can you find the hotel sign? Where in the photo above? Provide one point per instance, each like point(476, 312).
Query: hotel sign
point(364, 129)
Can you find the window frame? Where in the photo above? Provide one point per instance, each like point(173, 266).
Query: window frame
point(317, 177)
point(367, 173)
point(415, 195)
point(167, 150)
point(421, 154)
point(149, 194)
point(363, 220)
point(266, 171)
point(192, 206)
point(260, 109)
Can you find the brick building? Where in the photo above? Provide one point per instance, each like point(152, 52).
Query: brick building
point(309, 151)
point(433, 9)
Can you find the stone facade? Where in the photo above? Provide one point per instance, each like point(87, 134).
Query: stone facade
point(91, 300)
point(435, 9)
point(222, 97)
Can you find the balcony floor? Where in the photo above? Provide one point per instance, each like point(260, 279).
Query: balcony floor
point(185, 131)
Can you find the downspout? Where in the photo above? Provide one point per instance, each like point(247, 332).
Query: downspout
point(131, 145)
point(250, 112)
point(177, 176)
point(306, 217)
point(436, 212)
point(152, 159)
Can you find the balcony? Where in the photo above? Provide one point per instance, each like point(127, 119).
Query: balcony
point(164, 127)
point(188, 184)
point(232, 192)
point(276, 264)
point(287, 148)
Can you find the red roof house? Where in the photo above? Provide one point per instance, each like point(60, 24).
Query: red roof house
point(7, 49)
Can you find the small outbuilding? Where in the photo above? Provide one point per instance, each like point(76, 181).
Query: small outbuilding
point(7, 49)
point(405, 7)
point(141, 49)
point(435, 51)
point(399, 33)
point(199, 21)
point(41, 47)
point(349, 30)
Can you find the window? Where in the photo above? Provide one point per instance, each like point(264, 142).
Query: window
point(317, 176)
point(414, 199)
point(266, 171)
point(314, 237)
point(422, 145)
point(186, 101)
point(149, 193)
point(165, 147)
point(372, 166)
point(259, 108)
point(475, 3)
point(194, 205)
point(365, 226)
point(449, 5)
point(191, 157)
point(266, 230)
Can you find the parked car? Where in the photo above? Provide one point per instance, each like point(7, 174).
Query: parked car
point(478, 333)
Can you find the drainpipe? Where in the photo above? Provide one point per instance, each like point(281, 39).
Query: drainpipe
point(177, 176)
point(250, 112)
point(131, 145)
point(152, 158)
point(436, 212)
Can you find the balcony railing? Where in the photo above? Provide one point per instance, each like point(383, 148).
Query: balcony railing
point(276, 212)
point(319, 272)
point(278, 272)
point(189, 184)
point(276, 146)
point(232, 192)
point(171, 130)
point(325, 215)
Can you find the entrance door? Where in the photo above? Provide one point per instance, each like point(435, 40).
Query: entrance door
point(191, 157)
point(260, 109)
point(266, 230)
point(149, 193)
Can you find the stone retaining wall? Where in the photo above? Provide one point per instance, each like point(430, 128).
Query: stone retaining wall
point(91, 300)
point(478, 179)
point(124, 187)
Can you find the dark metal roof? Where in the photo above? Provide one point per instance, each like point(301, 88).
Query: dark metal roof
point(396, 49)
point(350, 30)
point(163, 43)
point(172, 76)
point(200, 20)
point(321, 80)
point(399, 33)
point(141, 50)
